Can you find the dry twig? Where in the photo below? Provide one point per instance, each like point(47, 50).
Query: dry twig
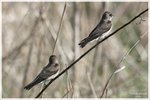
point(89, 51)
point(121, 68)
point(59, 26)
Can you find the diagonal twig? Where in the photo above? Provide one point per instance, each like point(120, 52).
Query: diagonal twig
point(89, 51)
point(60, 26)
point(121, 68)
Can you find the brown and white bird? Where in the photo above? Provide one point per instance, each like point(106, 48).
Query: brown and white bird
point(100, 30)
point(50, 71)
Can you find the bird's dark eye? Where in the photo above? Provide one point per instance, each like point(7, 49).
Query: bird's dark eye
point(56, 65)
point(110, 14)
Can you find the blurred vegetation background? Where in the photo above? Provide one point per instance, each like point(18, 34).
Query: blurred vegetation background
point(28, 36)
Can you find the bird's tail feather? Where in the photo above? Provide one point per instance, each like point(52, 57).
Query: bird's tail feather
point(36, 81)
point(83, 42)
point(29, 86)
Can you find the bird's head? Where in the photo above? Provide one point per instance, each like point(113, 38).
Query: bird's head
point(107, 16)
point(53, 59)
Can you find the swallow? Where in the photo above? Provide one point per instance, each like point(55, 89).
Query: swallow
point(100, 30)
point(50, 71)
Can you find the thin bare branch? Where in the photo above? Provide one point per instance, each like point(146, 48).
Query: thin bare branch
point(89, 51)
point(121, 68)
point(91, 85)
point(66, 93)
point(67, 84)
point(60, 26)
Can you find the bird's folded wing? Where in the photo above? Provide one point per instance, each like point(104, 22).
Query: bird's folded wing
point(100, 29)
point(48, 72)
